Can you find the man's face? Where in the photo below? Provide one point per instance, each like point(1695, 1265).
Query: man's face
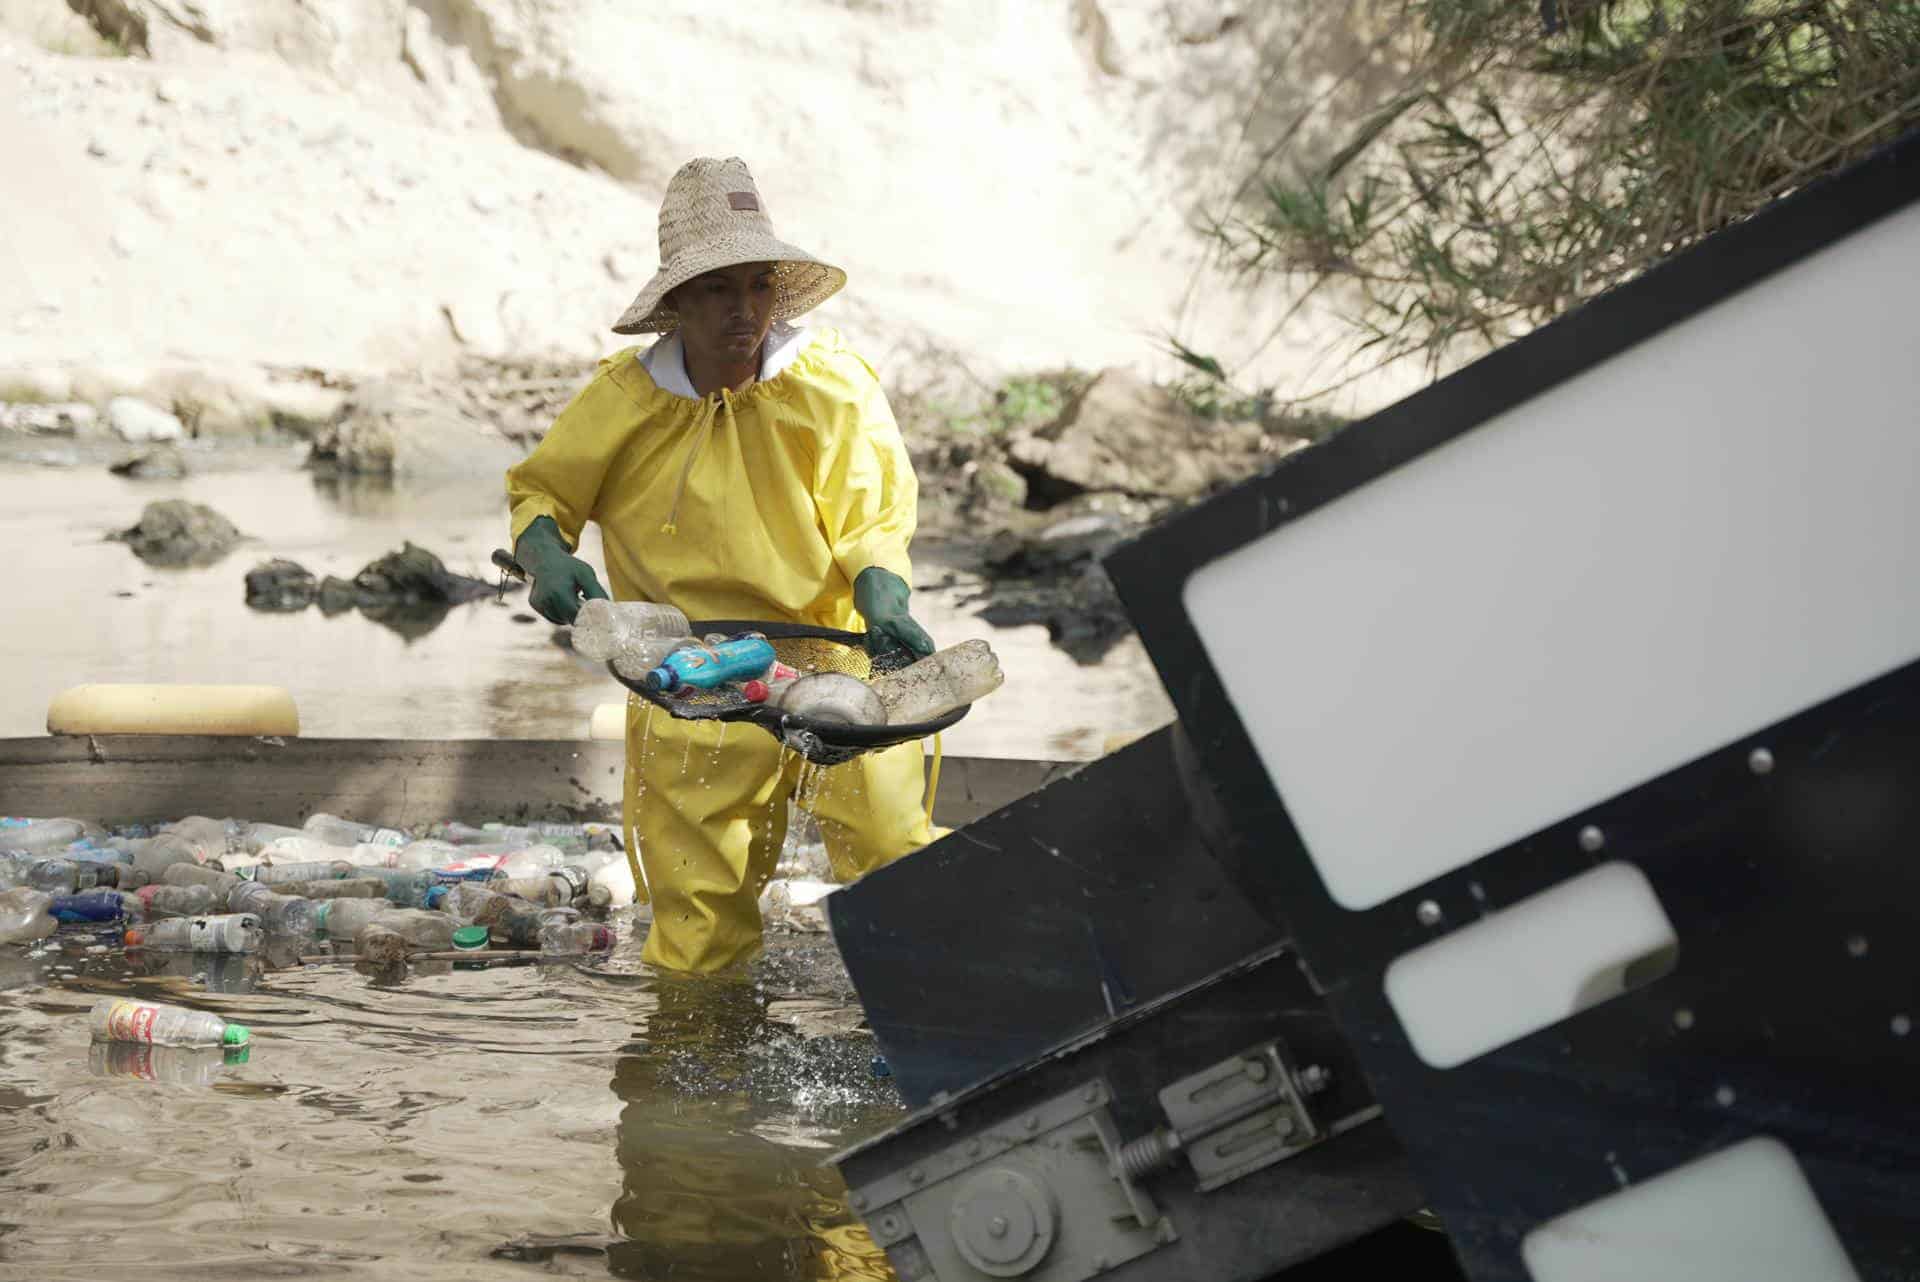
point(725, 314)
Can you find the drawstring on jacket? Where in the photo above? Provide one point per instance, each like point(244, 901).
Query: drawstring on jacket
point(713, 407)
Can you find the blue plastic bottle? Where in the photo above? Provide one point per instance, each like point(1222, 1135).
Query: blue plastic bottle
point(92, 905)
point(740, 660)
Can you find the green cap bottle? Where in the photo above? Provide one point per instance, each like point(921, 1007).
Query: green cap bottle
point(235, 1035)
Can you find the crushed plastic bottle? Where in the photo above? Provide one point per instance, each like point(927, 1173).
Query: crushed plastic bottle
point(938, 684)
point(529, 862)
point(343, 918)
point(287, 914)
point(226, 933)
point(176, 901)
point(122, 1019)
point(218, 836)
point(474, 904)
point(44, 836)
point(421, 931)
point(162, 852)
point(255, 837)
point(572, 939)
point(24, 915)
point(375, 943)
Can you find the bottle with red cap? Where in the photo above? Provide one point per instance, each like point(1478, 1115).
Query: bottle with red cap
point(225, 933)
point(574, 939)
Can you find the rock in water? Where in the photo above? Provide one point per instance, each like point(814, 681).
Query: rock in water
point(280, 585)
point(176, 532)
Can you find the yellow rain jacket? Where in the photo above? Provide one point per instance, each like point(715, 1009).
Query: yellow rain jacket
point(763, 504)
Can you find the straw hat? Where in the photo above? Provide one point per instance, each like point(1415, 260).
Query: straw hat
point(712, 217)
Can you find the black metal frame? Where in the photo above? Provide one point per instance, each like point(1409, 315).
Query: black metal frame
point(1790, 1032)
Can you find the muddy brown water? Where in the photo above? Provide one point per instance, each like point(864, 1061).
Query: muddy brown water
point(411, 1125)
point(437, 1122)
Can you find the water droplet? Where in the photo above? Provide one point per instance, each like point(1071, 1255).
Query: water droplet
point(1857, 945)
point(1724, 1097)
point(1683, 1019)
point(1901, 1025)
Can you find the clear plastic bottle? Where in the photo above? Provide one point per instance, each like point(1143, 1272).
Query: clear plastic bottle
point(604, 629)
point(414, 856)
point(347, 888)
point(221, 883)
point(471, 903)
point(216, 835)
point(287, 914)
point(177, 901)
point(344, 917)
point(274, 874)
point(564, 885)
point(24, 915)
point(531, 861)
point(347, 832)
point(70, 876)
point(425, 931)
point(407, 888)
point(939, 683)
point(225, 933)
point(256, 837)
point(519, 926)
point(572, 939)
point(44, 836)
point(163, 851)
point(122, 1019)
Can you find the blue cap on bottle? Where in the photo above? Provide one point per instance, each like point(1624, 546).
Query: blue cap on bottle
point(435, 894)
point(661, 678)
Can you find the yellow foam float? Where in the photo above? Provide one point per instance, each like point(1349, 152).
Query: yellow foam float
point(173, 709)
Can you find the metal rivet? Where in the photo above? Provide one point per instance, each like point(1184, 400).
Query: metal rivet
point(1091, 1094)
point(1683, 1018)
point(1760, 761)
point(916, 1176)
point(1314, 1079)
point(997, 1226)
point(1256, 1070)
point(1592, 839)
point(889, 1225)
point(1724, 1097)
point(1428, 913)
point(1901, 1026)
point(858, 1201)
point(1283, 1124)
point(1031, 1122)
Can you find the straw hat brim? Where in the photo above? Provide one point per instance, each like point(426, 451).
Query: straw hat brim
point(804, 282)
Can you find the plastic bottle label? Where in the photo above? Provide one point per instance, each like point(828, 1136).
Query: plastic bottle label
point(131, 1021)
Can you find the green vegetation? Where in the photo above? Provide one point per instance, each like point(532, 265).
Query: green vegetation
point(1018, 403)
point(1528, 166)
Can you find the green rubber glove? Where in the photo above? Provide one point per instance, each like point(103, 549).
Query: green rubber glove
point(561, 580)
point(881, 597)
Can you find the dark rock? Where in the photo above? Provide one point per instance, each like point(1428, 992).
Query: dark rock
point(337, 595)
point(178, 533)
point(414, 574)
point(280, 586)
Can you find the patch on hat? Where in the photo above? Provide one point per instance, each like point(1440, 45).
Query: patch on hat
point(743, 200)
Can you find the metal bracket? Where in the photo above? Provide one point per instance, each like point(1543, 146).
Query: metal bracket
point(1039, 1195)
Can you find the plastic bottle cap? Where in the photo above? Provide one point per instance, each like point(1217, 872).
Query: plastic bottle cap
point(470, 937)
point(134, 938)
point(661, 679)
point(235, 1035)
point(754, 691)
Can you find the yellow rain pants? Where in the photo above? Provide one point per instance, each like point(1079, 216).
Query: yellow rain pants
point(763, 504)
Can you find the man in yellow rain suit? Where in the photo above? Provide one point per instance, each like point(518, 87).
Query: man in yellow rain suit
point(740, 468)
